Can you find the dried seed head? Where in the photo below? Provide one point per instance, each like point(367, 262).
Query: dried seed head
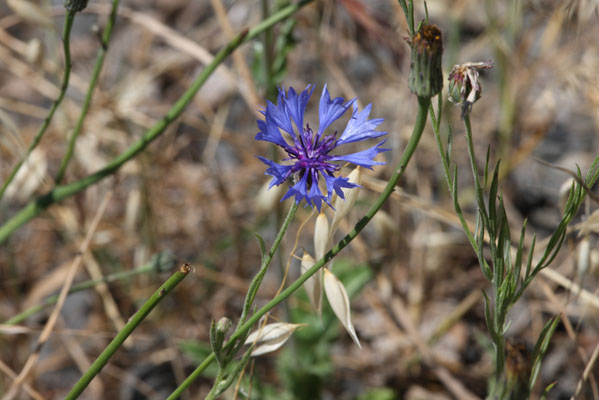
point(426, 74)
point(464, 86)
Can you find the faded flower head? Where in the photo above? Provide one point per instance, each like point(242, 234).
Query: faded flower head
point(312, 164)
point(464, 86)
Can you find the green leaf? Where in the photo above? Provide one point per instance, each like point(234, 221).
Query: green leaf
point(493, 196)
point(541, 348)
point(262, 245)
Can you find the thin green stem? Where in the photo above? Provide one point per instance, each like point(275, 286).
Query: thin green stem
point(134, 321)
point(445, 162)
point(66, 43)
point(153, 265)
point(423, 104)
point(255, 284)
point(477, 185)
point(36, 206)
point(107, 33)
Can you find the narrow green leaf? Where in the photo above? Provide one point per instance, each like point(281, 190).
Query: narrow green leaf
point(541, 348)
point(486, 171)
point(262, 245)
point(493, 195)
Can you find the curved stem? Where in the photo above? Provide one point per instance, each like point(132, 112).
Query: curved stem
point(66, 43)
point(423, 104)
point(134, 321)
point(107, 33)
point(36, 206)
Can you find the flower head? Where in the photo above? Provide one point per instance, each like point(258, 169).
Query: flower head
point(464, 86)
point(312, 162)
point(426, 74)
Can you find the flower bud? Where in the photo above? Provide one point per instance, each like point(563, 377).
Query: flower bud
point(464, 86)
point(426, 75)
point(223, 325)
point(75, 5)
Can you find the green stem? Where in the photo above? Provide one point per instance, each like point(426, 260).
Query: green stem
point(255, 284)
point(423, 104)
point(134, 321)
point(249, 300)
point(448, 180)
point(153, 265)
point(66, 42)
point(477, 185)
point(36, 206)
point(107, 33)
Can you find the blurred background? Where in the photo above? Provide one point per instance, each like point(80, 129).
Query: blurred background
point(197, 194)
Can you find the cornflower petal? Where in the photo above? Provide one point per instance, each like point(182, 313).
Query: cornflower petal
point(279, 172)
point(336, 183)
point(299, 190)
point(269, 131)
point(315, 195)
point(360, 127)
point(364, 158)
point(279, 113)
point(296, 105)
point(330, 110)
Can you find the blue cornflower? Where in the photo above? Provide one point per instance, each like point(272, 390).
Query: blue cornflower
point(310, 152)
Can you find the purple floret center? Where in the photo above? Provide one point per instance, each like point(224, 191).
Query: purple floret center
point(311, 152)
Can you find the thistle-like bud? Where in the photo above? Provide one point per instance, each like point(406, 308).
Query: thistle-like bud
point(75, 5)
point(426, 75)
point(464, 86)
